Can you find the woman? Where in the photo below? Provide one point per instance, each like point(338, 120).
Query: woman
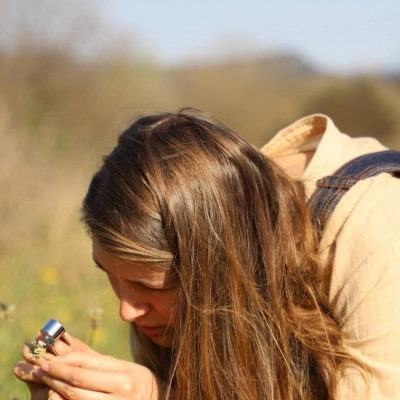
point(209, 247)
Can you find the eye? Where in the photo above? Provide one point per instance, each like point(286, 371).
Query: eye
point(137, 286)
point(150, 289)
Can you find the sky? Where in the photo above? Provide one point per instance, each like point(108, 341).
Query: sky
point(336, 35)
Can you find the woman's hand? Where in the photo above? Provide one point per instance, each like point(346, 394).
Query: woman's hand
point(27, 370)
point(92, 376)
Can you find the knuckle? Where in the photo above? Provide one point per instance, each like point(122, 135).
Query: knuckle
point(70, 393)
point(125, 384)
point(76, 379)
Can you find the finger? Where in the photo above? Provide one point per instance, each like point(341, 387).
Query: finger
point(67, 390)
point(68, 343)
point(56, 373)
point(27, 372)
point(62, 346)
point(39, 383)
point(93, 361)
point(34, 359)
point(52, 395)
point(78, 345)
point(38, 392)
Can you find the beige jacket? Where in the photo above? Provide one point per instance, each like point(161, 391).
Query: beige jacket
point(365, 285)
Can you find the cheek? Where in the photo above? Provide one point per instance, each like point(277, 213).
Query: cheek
point(167, 306)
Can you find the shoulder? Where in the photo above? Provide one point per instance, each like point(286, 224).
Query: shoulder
point(365, 284)
point(370, 213)
point(365, 228)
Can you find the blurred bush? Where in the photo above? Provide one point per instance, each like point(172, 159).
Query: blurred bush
point(362, 106)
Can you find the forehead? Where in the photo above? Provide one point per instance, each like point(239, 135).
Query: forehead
point(127, 269)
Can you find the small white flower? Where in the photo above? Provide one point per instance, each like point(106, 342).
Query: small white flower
point(36, 349)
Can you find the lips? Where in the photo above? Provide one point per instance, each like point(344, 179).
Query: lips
point(152, 331)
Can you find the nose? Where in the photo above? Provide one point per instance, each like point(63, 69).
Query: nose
point(131, 307)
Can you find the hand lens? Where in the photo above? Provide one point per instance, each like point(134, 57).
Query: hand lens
point(53, 331)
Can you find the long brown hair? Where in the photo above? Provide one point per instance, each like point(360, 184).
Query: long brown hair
point(181, 191)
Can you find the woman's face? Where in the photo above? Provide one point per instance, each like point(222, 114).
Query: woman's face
point(147, 297)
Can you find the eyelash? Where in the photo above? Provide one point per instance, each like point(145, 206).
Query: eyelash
point(145, 288)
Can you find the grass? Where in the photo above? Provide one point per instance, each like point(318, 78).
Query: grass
point(77, 295)
point(46, 296)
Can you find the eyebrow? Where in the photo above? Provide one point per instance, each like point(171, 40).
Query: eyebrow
point(98, 265)
point(168, 281)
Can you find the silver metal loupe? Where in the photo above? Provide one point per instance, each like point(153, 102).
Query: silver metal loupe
point(53, 331)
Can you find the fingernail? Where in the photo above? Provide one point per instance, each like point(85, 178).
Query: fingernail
point(18, 372)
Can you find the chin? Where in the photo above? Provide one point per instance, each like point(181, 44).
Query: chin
point(163, 341)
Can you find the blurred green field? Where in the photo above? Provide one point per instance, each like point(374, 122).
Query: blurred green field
point(57, 117)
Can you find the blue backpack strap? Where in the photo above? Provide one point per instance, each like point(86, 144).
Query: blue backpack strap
point(331, 189)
